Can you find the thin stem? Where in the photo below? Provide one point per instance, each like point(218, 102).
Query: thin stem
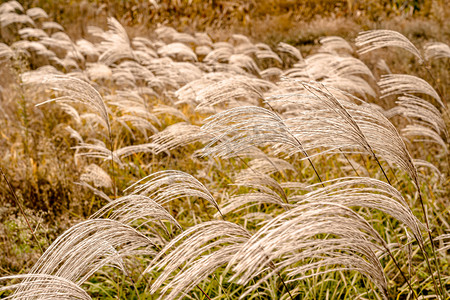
point(300, 145)
point(11, 189)
point(389, 252)
point(111, 149)
point(285, 286)
point(442, 290)
point(401, 272)
point(357, 174)
point(382, 170)
point(284, 196)
point(204, 293)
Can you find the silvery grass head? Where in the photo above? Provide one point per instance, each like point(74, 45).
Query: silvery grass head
point(196, 253)
point(436, 50)
point(289, 238)
point(73, 257)
point(131, 208)
point(374, 39)
point(420, 111)
point(318, 120)
point(43, 286)
point(349, 192)
point(166, 186)
point(398, 84)
point(72, 90)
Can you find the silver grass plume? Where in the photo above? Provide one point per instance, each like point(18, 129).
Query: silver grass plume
point(397, 84)
point(188, 93)
point(74, 134)
point(245, 62)
point(168, 185)
point(236, 88)
point(6, 52)
point(365, 192)
point(260, 182)
point(116, 43)
point(238, 203)
point(374, 39)
point(219, 55)
point(426, 134)
point(71, 111)
point(37, 13)
point(368, 127)
point(267, 54)
point(436, 50)
point(52, 26)
point(73, 90)
point(178, 52)
point(134, 149)
point(183, 252)
point(100, 151)
point(97, 150)
point(421, 112)
point(272, 74)
point(344, 73)
point(289, 49)
point(73, 257)
point(326, 65)
point(140, 73)
point(11, 6)
point(32, 33)
point(292, 233)
point(334, 44)
point(178, 135)
point(419, 163)
point(95, 174)
point(117, 29)
point(239, 128)
point(384, 138)
point(8, 19)
point(44, 286)
point(343, 125)
point(128, 209)
point(383, 66)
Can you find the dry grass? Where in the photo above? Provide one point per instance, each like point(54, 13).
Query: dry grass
point(157, 162)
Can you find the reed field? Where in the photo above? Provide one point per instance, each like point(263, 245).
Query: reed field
point(271, 149)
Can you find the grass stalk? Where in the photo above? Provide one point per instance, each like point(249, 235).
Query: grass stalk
point(11, 189)
point(401, 272)
point(285, 286)
point(300, 145)
point(111, 149)
point(345, 156)
point(442, 289)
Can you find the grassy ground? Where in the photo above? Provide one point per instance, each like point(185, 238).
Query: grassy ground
point(42, 166)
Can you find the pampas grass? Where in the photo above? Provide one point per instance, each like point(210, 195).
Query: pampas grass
point(231, 169)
